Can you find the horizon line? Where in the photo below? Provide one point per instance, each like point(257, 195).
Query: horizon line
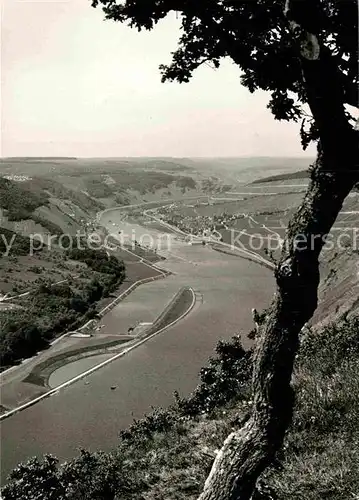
point(146, 157)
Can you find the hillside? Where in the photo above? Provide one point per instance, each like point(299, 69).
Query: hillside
point(106, 181)
point(55, 196)
point(338, 296)
point(168, 455)
point(51, 292)
point(42, 205)
point(301, 174)
point(51, 197)
point(46, 204)
point(19, 201)
point(228, 170)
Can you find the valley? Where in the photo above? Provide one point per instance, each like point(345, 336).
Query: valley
point(196, 262)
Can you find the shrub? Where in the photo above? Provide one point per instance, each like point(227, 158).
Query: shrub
point(20, 340)
point(35, 269)
point(320, 458)
point(160, 420)
point(226, 377)
point(94, 476)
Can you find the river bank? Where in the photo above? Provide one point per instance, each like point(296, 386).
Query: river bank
point(89, 414)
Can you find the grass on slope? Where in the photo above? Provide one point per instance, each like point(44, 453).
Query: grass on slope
point(167, 455)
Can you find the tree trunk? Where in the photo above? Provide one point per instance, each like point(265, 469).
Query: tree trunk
point(248, 451)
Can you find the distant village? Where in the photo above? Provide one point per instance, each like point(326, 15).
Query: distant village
point(17, 178)
point(197, 225)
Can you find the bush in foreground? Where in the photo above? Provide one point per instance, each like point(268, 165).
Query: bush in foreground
point(168, 454)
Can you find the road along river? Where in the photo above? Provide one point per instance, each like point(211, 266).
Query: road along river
point(89, 413)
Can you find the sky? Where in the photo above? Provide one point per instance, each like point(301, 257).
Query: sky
point(76, 85)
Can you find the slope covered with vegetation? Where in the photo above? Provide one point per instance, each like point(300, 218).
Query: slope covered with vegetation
point(61, 194)
point(42, 205)
point(302, 174)
point(20, 245)
point(168, 454)
point(49, 310)
point(19, 203)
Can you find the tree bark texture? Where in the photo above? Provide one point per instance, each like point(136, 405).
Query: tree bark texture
point(248, 451)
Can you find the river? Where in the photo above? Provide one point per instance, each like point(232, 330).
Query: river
point(90, 413)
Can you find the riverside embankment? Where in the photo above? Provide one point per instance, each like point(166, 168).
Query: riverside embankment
point(88, 413)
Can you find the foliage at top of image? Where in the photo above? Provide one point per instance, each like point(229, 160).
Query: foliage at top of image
point(19, 202)
point(256, 36)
